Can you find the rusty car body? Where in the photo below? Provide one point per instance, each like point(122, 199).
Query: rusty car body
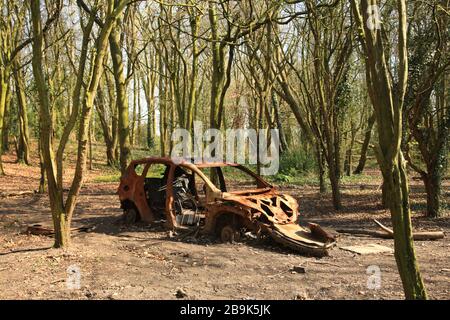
point(181, 195)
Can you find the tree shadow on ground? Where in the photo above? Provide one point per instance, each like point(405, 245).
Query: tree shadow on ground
point(25, 250)
point(113, 226)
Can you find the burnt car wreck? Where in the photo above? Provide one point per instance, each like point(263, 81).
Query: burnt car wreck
point(183, 196)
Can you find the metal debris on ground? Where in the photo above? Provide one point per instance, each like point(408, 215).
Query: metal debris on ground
point(371, 248)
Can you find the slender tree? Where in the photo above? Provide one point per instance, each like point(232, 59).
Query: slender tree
point(62, 211)
point(387, 100)
point(426, 109)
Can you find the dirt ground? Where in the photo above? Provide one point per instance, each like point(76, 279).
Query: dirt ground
point(140, 262)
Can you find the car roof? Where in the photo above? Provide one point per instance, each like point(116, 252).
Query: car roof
point(185, 161)
point(189, 163)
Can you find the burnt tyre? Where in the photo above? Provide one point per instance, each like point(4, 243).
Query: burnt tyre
point(130, 216)
point(228, 228)
point(229, 235)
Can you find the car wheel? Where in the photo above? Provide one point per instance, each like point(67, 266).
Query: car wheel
point(228, 234)
point(130, 216)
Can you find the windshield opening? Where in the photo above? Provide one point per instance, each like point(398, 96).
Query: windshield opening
point(233, 179)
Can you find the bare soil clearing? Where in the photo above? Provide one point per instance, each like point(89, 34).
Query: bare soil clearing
point(140, 262)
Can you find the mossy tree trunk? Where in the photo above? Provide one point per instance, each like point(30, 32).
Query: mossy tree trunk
point(7, 115)
point(387, 100)
point(3, 94)
point(107, 129)
point(427, 110)
point(121, 100)
point(62, 211)
point(149, 84)
point(365, 145)
point(23, 150)
point(194, 19)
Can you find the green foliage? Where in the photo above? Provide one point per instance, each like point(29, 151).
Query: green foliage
point(358, 179)
point(300, 179)
point(294, 166)
point(108, 178)
point(296, 161)
point(282, 178)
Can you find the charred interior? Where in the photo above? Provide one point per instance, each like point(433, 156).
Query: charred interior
point(186, 205)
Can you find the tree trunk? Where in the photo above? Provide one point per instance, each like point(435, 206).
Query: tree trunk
point(433, 182)
point(23, 151)
point(335, 186)
point(365, 146)
point(388, 101)
point(397, 187)
point(90, 143)
point(45, 130)
point(3, 94)
point(62, 229)
point(41, 188)
point(384, 195)
point(6, 120)
point(62, 212)
point(115, 118)
point(106, 129)
point(149, 90)
point(162, 102)
point(276, 109)
point(348, 163)
point(76, 101)
point(259, 112)
point(321, 170)
point(139, 114)
point(121, 100)
point(194, 21)
point(101, 47)
point(220, 79)
point(133, 115)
